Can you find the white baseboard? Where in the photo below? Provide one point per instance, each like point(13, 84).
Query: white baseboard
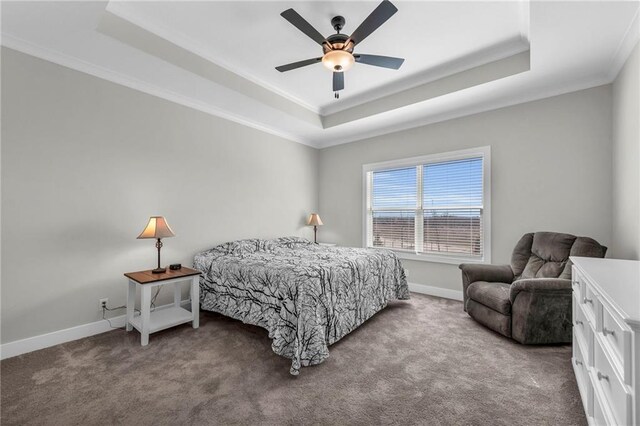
point(436, 291)
point(35, 343)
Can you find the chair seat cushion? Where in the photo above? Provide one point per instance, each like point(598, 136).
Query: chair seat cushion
point(491, 294)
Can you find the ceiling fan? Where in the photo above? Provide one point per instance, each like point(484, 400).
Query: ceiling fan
point(338, 48)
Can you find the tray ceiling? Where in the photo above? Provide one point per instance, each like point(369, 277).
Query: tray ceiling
point(219, 57)
point(251, 39)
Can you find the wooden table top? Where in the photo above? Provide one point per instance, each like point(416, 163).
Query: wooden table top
point(146, 277)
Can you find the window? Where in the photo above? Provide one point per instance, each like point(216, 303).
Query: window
point(434, 208)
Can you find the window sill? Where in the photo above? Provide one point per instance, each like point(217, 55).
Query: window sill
point(453, 260)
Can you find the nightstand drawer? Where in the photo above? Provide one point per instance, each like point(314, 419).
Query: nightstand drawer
point(607, 380)
point(618, 339)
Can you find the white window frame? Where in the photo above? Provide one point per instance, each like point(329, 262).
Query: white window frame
point(484, 152)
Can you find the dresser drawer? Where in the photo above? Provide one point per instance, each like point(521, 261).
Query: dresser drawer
point(616, 337)
point(613, 390)
point(605, 294)
point(582, 377)
point(582, 331)
point(576, 284)
point(588, 302)
point(599, 418)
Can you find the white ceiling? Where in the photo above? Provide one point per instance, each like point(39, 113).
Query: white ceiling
point(573, 45)
point(251, 38)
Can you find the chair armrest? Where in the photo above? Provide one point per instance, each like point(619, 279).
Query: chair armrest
point(472, 272)
point(557, 286)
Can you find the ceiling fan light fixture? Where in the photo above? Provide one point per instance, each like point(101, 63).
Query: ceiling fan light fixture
point(338, 60)
point(338, 48)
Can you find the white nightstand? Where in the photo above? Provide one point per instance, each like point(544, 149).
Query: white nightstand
point(149, 322)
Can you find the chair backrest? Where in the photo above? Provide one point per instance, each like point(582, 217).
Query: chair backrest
point(546, 254)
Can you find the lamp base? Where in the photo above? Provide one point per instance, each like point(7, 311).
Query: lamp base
point(159, 270)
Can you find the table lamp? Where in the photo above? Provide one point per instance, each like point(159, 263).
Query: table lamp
point(315, 220)
point(157, 228)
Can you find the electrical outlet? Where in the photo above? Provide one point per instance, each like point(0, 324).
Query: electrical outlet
point(103, 303)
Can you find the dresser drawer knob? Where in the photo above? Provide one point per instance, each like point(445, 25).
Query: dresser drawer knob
point(578, 362)
point(606, 331)
point(585, 300)
point(602, 376)
point(578, 322)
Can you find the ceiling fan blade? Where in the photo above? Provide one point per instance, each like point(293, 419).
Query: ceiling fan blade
point(380, 61)
point(300, 23)
point(299, 64)
point(338, 81)
point(379, 16)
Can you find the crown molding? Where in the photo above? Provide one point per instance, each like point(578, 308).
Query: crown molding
point(503, 50)
point(319, 140)
point(625, 47)
point(514, 100)
point(451, 83)
point(135, 84)
point(122, 10)
point(74, 63)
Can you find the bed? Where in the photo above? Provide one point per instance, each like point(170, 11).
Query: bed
point(306, 295)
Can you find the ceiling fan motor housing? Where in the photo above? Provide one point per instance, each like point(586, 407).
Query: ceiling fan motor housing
point(338, 48)
point(337, 42)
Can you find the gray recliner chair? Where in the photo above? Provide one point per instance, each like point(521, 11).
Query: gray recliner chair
point(530, 299)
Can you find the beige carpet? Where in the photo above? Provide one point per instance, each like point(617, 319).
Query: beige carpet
point(422, 361)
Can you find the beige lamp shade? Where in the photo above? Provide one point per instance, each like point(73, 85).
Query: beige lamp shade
point(157, 228)
point(314, 220)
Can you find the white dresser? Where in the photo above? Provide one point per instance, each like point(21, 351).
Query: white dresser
point(606, 339)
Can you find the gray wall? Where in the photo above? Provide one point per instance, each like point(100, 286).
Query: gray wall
point(551, 170)
point(626, 160)
point(85, 163)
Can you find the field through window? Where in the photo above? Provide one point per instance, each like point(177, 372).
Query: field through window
point(430, 208)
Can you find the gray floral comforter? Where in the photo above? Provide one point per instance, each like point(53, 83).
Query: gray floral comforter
point(306, 295)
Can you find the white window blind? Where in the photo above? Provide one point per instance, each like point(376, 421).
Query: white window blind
point(393, 203)
point(430, 206)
